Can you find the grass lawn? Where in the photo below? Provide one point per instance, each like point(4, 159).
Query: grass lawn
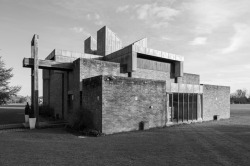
point(225, 142)
point(10, 114)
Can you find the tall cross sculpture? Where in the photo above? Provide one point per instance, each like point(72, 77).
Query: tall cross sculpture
point(34, 79)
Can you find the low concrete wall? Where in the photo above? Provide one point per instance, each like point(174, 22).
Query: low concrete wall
point(151, 74)
point(189, 79)
point(216, 101)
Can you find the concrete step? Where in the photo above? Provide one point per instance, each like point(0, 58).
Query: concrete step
point(26, 125)
point(11, 126)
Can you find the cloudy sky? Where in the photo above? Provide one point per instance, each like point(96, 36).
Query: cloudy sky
point(212, 35)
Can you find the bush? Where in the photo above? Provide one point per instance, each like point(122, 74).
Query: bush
point(89, 132)
point(46, 111)
point(81, 120)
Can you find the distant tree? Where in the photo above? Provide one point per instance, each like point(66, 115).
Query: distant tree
point(22, 99)
point(239, 97)
point(6, 91)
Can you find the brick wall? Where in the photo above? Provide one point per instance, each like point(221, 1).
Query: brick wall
point(86, 68)
point(129, 101)
point(216, 101)
point(92, 101)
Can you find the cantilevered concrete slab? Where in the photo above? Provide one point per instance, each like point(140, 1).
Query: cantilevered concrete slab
point(127, 56)
point(69, 56)
point(47, 64)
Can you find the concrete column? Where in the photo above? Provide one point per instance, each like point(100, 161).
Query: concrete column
point(34, 79)
point(199, 107)
point(188, 109)
point(167, 110)
point(132, 62)
point(183, 97)
point(172, 108)
point(178, 109)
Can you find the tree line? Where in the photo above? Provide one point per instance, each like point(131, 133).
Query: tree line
point(240, 97)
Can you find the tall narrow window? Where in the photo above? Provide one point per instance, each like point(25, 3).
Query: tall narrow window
point(190, 106)
point(170, 100)
point(175, 105)
point(195, 107)
point(180, 106)
point(80, 98)
point(185, 107)
point(171, 105)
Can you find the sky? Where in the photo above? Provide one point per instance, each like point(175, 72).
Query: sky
point(212, 35)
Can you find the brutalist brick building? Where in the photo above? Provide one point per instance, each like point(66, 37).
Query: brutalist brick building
point(129, 88)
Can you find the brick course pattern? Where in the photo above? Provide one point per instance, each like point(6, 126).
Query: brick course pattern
point(86, 68)
point(119, 104)
point(216, 101)
point(129, 101)
point(92, 101)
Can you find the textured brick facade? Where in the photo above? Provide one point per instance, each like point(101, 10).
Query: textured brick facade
point(86, 68)
point(120, 103)
point(92, 101)
point(129, 101)
point(216, 101)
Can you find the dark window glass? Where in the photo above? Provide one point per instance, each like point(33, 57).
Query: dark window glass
point(170, 100)
point(190, 106)
point(175, 105)
point(80, 98)
point(172, 68)
point(181, 106)
point(185, 106)
point(195, 107)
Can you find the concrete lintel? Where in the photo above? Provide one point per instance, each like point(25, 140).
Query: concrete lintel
point(186, 88)
point(156, 53)
point(47, 64)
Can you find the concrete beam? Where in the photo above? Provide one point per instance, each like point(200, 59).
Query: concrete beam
point(47, 64)
point(34, 79)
